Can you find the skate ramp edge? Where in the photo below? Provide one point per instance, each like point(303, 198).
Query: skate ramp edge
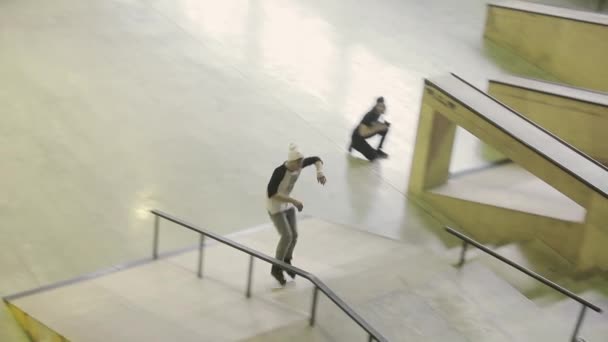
point(35, 330)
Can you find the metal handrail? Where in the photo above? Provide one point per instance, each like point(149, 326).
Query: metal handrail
point(374, 335)
point(586, 304)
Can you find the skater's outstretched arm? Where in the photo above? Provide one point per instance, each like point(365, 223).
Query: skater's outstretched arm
point(318, 163)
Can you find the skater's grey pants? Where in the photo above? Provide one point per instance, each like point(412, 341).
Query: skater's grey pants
point(286, 225)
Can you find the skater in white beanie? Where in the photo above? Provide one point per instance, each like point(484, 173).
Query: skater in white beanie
point(281, 207)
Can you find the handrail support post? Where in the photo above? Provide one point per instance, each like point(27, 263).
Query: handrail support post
point(579, 323)
point(200, 255)
point(313, 310)
point(155, 242)
point(249, 276)
point(463, 252)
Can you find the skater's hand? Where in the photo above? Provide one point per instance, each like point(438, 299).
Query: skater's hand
point(298, 205)
point(321, 178)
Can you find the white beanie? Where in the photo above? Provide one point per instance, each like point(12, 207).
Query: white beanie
point(294, 153)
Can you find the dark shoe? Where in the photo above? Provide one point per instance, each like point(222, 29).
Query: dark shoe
point(350, 147)
point(277, 273)
point(290, 273)
point(381, 154)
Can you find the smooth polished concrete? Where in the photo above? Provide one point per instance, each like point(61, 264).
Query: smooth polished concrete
point(110, 108)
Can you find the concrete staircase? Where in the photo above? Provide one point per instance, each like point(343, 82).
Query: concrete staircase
point(419, 297)
point(538, 257)
point(407, 293)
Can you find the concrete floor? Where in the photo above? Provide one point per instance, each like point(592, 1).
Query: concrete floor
point(110, 108)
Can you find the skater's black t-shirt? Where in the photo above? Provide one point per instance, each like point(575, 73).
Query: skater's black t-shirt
point(368, 120)
point(281, 180)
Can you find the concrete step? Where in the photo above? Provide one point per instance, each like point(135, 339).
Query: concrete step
point(295, 332)
point(409, 294)
point(541, 259)
point(595, 326)
point(471, 304)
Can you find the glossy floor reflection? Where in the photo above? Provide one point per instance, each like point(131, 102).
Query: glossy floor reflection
point(110, 108)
